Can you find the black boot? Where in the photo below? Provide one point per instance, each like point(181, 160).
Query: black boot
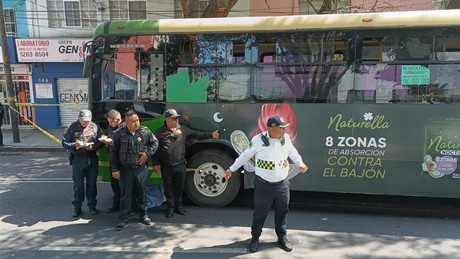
point(254, 245)
point(285, 244)
point(169, 210)
point(179, 209)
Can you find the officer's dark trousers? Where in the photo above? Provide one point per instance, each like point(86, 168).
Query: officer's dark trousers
point(1, 134)
point(84, 168)
point(129, 178)
point(266, 196)
point(115, 184)
point(116, 192)
point(174, 183)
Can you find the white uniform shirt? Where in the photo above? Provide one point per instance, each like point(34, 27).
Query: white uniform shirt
point(270, 161)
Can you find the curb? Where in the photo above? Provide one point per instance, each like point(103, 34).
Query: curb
point(31, 149)
point(388, 209)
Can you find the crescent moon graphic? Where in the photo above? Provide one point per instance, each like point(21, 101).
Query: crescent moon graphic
point(216, 117)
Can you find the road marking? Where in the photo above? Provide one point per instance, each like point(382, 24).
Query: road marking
point(144, 250)
point(35, 180)
point(40, 180)
point(210, 250)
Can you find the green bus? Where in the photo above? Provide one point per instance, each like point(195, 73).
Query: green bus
point(373, 99)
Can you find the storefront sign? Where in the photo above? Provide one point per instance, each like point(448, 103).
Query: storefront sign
point(44, 91)
point(17, 69)
point(50, 50)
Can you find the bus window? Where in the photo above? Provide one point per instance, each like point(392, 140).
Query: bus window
point(372, 50)
point(407, 45)
point(305, 67)
point(238, 52)
point(447, 48)
point(266, 49)
point(135, 69)
point(222, 59)
point(417, 66)
point(214, 51)
point(188, 50)
point(311, 47)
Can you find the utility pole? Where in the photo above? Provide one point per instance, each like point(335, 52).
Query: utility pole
point(8, 77)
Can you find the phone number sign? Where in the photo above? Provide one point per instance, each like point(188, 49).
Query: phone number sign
point(415, 75)
point(50, 50)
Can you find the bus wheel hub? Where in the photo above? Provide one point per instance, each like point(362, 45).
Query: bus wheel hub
point(210, 180)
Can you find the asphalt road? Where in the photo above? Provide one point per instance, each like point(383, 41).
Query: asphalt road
point(36, 222)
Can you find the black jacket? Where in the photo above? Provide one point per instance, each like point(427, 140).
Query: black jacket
point(111, 131)
point(171, 150)
point(2, 113)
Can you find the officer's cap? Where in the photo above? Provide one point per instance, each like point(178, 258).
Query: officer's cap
point(85, 115)
point(276, 121)
point(171, 113)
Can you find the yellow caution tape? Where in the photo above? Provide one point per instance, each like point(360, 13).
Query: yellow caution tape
point(188, 170)
point(103, 163)
point(38, 127)
point(47, 104)
point(192, 170)
point(9, 99)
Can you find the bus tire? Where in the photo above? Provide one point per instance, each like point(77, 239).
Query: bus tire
point(207, 186)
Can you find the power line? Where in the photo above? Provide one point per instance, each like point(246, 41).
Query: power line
point(385, 5)
point(26, 15)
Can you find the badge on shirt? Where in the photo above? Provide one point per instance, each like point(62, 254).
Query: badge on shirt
point(139, 139)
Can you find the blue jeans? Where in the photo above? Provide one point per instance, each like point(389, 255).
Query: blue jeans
point(84, 168)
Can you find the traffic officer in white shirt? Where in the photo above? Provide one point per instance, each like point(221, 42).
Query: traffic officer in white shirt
point(271, 186)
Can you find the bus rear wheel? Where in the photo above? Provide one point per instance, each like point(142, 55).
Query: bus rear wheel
point(207, 186)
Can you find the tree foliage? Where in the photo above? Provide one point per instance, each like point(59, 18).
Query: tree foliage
point(214, 8)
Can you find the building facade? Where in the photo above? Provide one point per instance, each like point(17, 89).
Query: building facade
point(46, 38)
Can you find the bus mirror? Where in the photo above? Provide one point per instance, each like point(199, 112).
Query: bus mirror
point(86, 48)
point(91, 46)
point(87, 67)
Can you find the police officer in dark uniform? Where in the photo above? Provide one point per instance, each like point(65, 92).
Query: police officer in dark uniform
point(2, 113)
point(171, 158)
point(271, 149)
point(81, 139)
point(115, 124)
point(131, 149)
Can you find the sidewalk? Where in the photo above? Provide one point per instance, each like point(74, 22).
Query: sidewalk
point(32, 140)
